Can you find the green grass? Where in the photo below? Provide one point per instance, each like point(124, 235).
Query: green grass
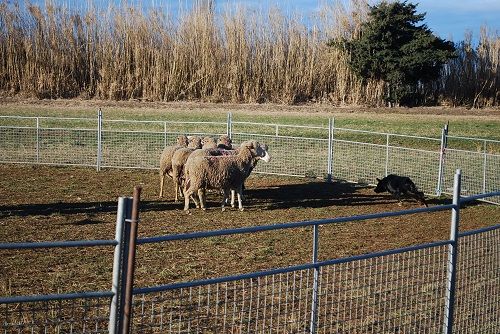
point(409, 123)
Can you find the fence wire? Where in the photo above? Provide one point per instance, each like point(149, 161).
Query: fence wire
point(306, 157)
point(18, 145)
point(398, 293)
point(88, 315)
point(270, 304)
point(356, 156)
point(478, 284)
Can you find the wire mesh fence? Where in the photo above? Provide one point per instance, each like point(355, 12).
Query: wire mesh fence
point(304, 151)
point(400, 292)
point(82, 315)
point(478, 283)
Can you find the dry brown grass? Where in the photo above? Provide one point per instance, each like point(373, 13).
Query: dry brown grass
point(236, 55)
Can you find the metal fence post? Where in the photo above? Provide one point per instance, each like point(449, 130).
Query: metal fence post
point(387, 155)
point(442, 152)
point(229, 125)
point(452, 257)
point(485, 161)
point(164, 134)
point(99, 139)
point(123, 213)
point(315, 292)
point(129, 283)
point(330, 150)
point(38, 140)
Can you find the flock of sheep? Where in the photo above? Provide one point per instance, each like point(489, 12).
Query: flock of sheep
point(197, 164)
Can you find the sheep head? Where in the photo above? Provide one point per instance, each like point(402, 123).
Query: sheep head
point(224, 142)
point(208, 142)
point(182, 140)
point(259, 151)
point(194, 142)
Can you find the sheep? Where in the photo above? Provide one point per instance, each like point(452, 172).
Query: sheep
point(208, 143)
point(206, 152)
point(221, 172)
point(166, 159)
point(224, 142)
point(254, 164)
point(179, 159)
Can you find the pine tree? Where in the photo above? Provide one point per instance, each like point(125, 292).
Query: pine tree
point(392, 47)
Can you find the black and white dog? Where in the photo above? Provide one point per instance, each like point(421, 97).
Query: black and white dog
point(399, 185)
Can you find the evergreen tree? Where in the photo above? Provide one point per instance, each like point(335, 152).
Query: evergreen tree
point(392, 47)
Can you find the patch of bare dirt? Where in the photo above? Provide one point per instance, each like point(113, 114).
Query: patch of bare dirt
point(41, 203)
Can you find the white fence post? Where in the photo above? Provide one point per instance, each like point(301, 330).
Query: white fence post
point(442, 152)
point(330, 149)
point(315, 292)
point(485, 161)
point(229, 126)
point(164, 134)
point(123, 212)
point(99, 139)
point(38, 140)
point(387, 155)
point(452, 257)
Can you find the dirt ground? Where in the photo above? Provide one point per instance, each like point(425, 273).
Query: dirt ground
point(41, 203)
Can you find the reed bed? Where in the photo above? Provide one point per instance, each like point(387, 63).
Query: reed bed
point(232, 54)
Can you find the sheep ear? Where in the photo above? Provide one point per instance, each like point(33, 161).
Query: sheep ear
point(378, 179)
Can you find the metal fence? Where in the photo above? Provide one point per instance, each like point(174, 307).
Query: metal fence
point(305, 151)
point(444, 286)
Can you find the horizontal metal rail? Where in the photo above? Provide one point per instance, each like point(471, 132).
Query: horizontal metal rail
point(51, 297)
point(51, 118)
point(478, 231)
point(243, 230)
point(161, 122)
point(45, 128)
point(57, 244)
point(279, 136)
point(387, 134)
point(480, 196)
point(475, 139)
point(173, 286)
point(282, 125)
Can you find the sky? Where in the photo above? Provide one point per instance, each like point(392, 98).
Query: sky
point(449, 19)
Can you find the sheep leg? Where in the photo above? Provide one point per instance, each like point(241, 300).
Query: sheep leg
point(225, 198)
point(204, 195)
point(240, 195)
point(162, 181)
point(176, 185)
point(202, 201)
point(233, 195)
point(187, 195)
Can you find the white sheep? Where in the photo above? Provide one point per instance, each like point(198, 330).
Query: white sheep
point(222, 172)
point(166, 159)
point(179, 159)
point(224, 143)
point(208, 143)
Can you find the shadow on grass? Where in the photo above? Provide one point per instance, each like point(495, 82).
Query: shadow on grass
point(313, 194)
point(66, 208)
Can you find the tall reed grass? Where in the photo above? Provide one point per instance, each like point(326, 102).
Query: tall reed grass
point(235, 54)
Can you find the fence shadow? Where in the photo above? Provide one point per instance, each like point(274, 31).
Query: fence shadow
point(68, 208)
